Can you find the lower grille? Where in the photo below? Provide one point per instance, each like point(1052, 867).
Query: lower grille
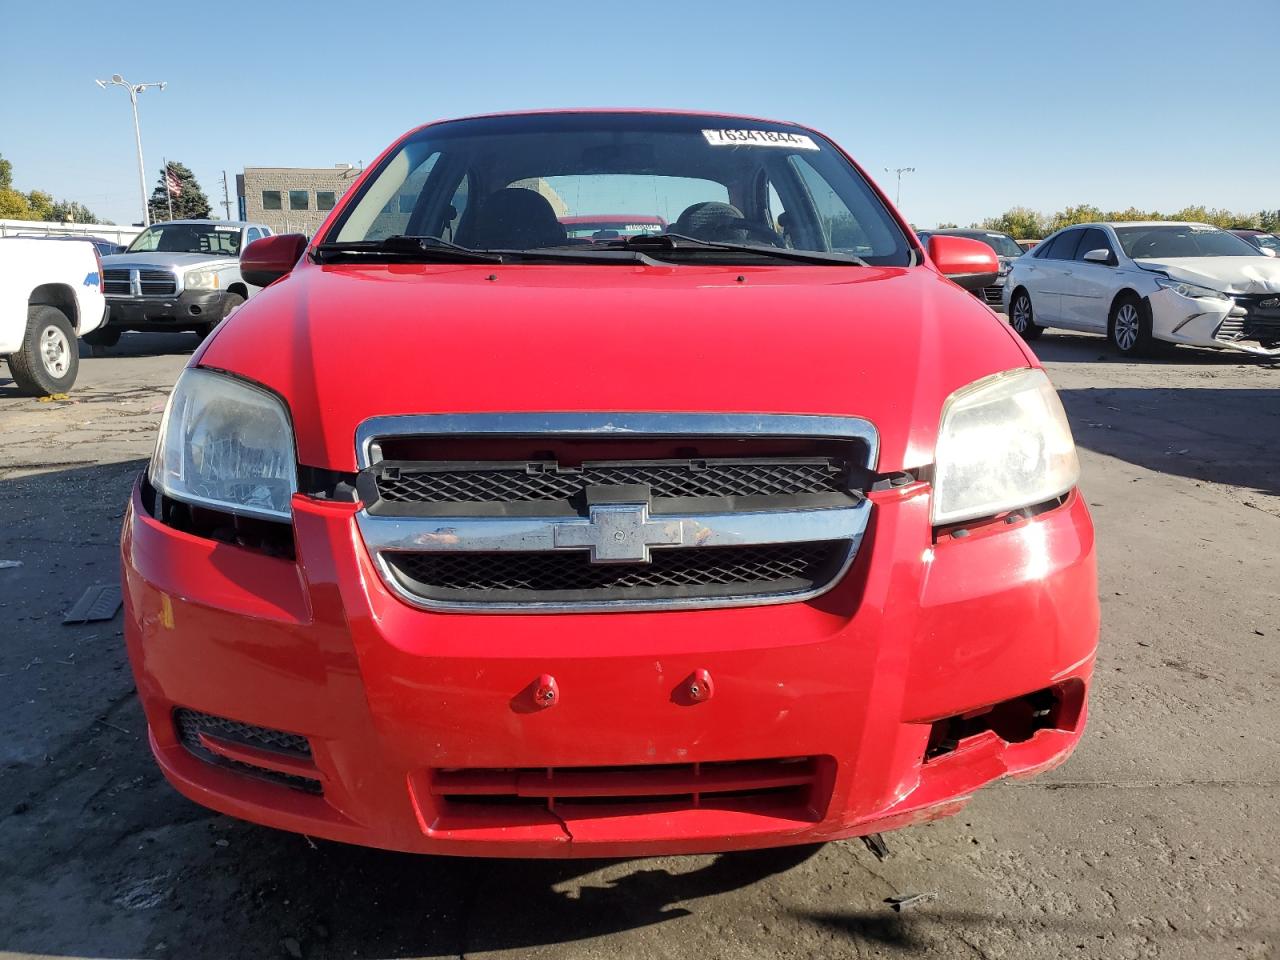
point(1261, 321)
point(758, 571)
point(795, 788)
point(1230, 330)
point(190, 724)
point(992, 295)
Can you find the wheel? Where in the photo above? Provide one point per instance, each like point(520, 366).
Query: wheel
point(103, 337)
point(1021, 316)
point(1129, 326)
point(48, 360)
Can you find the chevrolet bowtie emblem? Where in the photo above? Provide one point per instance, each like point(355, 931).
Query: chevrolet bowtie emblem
point(620, 533)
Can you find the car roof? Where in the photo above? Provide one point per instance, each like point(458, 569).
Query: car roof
point(955, 231)
point(225, 223)
point(1145, 223)
point(622, 111)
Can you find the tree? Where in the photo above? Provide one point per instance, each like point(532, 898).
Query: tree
point(6, 174)
point(71, 211)
point(189, 203)
point(1021, 223)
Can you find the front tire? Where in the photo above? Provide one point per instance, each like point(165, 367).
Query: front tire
point(48, 360)
point(1022, 316)
point(1129, 326)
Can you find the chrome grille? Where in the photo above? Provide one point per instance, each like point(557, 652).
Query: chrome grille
point(516, 535)
point(116, 282)
point(157, 283)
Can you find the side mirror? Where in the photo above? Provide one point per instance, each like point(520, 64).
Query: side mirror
point(970, 263)
point(267, 260)
point(1101, 255)
point(1267, 251)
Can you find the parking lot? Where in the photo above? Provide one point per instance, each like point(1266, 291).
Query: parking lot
point(1159, 838)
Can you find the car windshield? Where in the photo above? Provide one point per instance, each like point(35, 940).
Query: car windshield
point(1181, 240)
point(1003, 244)
point(211, 238)
point(557, 181)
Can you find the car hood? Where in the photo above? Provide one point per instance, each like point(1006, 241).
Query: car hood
point(342, 343)
point(1229, 274)
point(159, 258)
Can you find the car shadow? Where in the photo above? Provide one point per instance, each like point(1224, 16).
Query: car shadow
point(139, 343)
point(1058, 346)
point(1219, 434)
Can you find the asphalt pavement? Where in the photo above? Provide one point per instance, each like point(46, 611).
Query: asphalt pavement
point(1159, 838)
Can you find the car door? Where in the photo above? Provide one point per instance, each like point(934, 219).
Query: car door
point(1090, 287)
point(1046, 274)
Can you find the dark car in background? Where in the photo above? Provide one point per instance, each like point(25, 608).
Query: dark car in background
point(1007, 250)
point(1261, 239)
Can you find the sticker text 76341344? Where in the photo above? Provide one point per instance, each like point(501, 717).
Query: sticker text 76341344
point(759, 138)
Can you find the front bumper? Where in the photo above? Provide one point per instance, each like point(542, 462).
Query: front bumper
point(395, 700)
point(1210, 323)
point(993, 296)
point(188, 309)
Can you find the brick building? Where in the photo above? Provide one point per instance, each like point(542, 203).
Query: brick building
point(292, 199)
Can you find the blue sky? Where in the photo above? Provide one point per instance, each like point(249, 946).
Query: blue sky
point(1154, 104)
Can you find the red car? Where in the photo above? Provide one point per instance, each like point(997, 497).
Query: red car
point(463, 538)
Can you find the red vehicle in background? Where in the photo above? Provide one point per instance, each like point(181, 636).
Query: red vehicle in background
point(611, 226)
point(464, 537)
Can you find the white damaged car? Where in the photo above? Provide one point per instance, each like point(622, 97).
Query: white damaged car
point(1141, 282)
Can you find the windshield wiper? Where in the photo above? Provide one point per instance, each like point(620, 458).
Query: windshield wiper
point(423, 249)
point(679, 241)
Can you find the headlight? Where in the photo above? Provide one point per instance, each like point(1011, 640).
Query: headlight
point(1191, 289)
point(225, 444)
point(200, 280)
point(1004, 443)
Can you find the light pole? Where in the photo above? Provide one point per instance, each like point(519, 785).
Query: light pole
point(135, 89)
point(897, 197)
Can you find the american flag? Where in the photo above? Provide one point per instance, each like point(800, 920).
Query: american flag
point(172, 182)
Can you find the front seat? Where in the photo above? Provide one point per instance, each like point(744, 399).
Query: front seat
point(711, 220)
point(516, 219)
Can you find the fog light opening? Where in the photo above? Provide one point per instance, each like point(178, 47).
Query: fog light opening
point(194, 310)
point(1013, 721)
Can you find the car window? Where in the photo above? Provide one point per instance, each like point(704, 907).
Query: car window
point(254, 234)
point(396, 195)
point(1182, 240)
point(179, 237)
point(1063, 246)
point(1093, 239)
point(548, 180)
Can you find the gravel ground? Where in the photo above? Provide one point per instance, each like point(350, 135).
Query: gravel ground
point(1160, 838)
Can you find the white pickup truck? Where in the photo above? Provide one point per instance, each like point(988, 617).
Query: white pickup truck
point(50, 294)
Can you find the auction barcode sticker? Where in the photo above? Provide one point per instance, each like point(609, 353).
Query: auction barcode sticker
point(759, 138)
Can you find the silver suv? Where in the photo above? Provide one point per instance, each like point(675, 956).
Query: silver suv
point(177, 275)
